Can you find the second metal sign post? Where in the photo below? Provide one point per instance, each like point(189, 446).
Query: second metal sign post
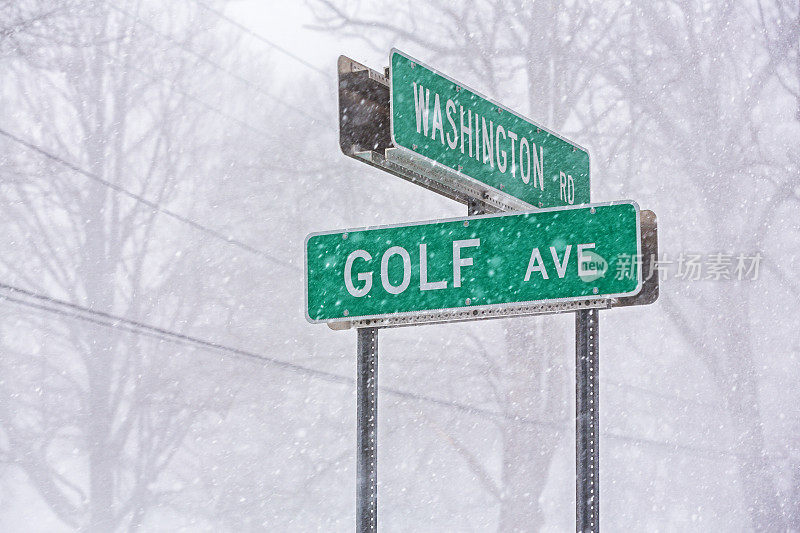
point(417, 123)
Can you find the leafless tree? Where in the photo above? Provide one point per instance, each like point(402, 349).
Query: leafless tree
point(689, 89)
point(112, 407)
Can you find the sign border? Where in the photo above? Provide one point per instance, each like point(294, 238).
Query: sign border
point(481, 95)
point(477, 307)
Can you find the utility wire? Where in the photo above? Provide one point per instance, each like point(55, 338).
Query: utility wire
point(115, 321)
point(88, 318)
point(192, 97)
point(213, 63)
point(64, 308)
point(153, 205)
point(261, 38)
point(149, 203)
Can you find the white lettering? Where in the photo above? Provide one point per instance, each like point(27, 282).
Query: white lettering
point(538, 166)
point(395, 250)
point(477, 138)
point(501, 167)
point(570, 189)
point(535, 264)
point(450, 107)
point(424, 284)
point(488, 143)
point(523, 143)
point(437, 119)
point(513, 137)
point(561, 266)
point(468, 130)
point(458, 261)
point(421, 102)
point(567, 192)
point(366, 277)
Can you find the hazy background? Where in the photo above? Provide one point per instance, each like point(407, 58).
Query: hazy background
point(163, 162)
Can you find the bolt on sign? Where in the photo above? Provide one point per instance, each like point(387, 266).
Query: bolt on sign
point(441, 120)
point(491, 261)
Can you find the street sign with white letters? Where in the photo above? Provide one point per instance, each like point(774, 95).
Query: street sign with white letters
point(440, 120)
point(552, 255)
point(413, 122)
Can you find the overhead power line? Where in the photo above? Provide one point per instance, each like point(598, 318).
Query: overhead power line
point(111, 320)
point(261, 38)
point(192, 97)
point(214, 64)
point(64, 308)
point(149, 203)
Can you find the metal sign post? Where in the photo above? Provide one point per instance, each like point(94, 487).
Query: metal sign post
point(587, 409)
point(367, 432)
point(416, 123)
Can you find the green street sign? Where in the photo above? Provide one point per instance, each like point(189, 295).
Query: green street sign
point(492, 261)
point(446, 123)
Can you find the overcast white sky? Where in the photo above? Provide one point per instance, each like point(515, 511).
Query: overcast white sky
point(286, 24)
